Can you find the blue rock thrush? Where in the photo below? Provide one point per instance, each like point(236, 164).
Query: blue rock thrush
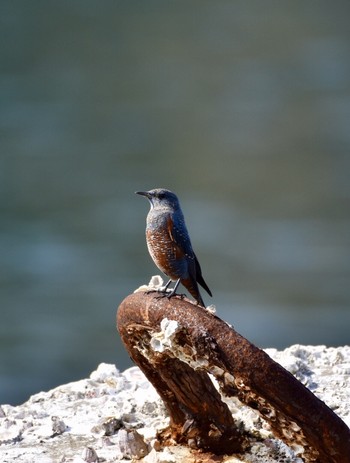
point(169, 244)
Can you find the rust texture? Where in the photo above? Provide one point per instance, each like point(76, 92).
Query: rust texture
point(203, 343)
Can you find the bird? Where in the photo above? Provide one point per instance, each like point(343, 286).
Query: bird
point(169, 243)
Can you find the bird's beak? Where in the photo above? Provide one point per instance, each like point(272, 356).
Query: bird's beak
point(143, 193)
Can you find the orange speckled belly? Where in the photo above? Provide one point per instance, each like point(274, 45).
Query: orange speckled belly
point(168, 257)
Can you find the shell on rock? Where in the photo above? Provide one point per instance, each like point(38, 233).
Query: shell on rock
point(58, 426)
point(131, 444)
point(107, 426)
point(89, 455)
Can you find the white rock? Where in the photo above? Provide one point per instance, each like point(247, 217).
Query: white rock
point(64, 424)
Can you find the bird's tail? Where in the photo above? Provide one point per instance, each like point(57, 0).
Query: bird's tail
point(191, 285)
point(203, 284)
point(199, 276)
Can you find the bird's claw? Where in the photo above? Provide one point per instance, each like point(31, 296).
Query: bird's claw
point(169, 295)
point(161, 293)
point(149, 291)
point(165, 293)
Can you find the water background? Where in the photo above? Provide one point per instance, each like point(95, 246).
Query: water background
point(241, 108)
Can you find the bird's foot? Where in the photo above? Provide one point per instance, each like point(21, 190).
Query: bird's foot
point(169, 294)
point(149, 291)
point(162, 290)
point(163, 294)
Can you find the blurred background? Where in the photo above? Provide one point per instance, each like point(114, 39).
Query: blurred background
point(241, 108)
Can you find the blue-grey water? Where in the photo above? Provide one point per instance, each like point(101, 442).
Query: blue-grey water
point(241, 108)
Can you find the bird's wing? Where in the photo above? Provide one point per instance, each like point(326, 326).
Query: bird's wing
point(179, 236)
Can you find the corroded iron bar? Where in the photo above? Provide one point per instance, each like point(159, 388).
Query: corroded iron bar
point(201, 343)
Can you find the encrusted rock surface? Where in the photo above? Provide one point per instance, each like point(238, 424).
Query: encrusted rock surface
point(114, 416)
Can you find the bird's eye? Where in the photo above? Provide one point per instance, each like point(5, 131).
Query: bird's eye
point(161, 195)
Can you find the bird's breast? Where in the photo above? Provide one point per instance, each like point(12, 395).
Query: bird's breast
point(166, 254)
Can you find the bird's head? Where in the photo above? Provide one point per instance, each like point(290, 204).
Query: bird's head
point(160, 198)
